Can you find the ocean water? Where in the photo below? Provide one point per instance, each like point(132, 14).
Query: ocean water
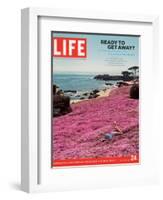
point(82, 83)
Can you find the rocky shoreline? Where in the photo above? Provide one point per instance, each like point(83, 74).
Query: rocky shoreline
point(62, 99)
point(76, 96)
point(95, 94)
point(107, 77)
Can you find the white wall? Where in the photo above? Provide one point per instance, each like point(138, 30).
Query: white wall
point(10, 95)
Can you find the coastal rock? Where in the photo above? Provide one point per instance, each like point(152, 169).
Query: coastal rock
point(107, 77)
point(54, 89)
point(102, 77)
point(122, 83)
point(71, 91)
point(91, 96)
point(134, 91)
point(61, 103)
point(60, 92)
point(95, 91)
point(108, 83)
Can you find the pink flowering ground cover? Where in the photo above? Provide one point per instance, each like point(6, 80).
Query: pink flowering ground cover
point(81, 133)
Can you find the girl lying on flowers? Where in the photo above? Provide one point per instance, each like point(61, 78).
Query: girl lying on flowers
point(118, 131)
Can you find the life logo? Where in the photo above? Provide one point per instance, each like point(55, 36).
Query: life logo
point(69, 47)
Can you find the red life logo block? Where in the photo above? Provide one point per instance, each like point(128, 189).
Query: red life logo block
point(69, 47)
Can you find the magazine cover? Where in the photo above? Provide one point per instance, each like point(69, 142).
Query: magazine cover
point(95, 99)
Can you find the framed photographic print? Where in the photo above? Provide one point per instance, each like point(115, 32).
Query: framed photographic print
point(86, 95)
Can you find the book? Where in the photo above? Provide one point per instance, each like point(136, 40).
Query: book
point(95, 99)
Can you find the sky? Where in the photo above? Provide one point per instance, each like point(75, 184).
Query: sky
point(100, 58)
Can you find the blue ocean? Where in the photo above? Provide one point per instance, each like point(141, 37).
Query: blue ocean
point(79, 82)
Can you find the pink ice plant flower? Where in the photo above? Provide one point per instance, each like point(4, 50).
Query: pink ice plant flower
point(80, 134)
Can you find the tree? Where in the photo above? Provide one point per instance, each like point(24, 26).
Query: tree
point(134, 69)
point(126, 73)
